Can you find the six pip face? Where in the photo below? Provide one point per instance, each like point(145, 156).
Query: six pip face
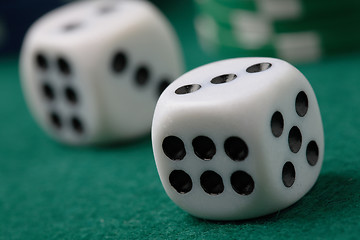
point(66, 103)
point(238, 139)
point(93, 71)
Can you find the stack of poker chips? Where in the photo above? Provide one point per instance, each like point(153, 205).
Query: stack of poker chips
point(294, 30)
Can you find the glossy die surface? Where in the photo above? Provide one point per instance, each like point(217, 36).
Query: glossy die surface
point(92, 71)
point(238, 139)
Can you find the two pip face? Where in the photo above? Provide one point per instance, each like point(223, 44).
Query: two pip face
point(93, 71)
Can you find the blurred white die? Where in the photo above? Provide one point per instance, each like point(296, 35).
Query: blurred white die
point(92, 71)
point(238, 139)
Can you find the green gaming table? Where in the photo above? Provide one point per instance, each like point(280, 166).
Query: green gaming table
point(52, 191)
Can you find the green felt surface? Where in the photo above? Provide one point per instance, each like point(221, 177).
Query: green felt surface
point(51, 191)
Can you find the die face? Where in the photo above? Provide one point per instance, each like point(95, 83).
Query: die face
point(137, 67)
point(92, 20)
point(124, 53)
point(215, 154)
point(61, 101)
point(297, 149)
point(229, 72)
point(228, 129)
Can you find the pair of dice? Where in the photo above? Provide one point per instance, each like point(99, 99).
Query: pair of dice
point(234, 139)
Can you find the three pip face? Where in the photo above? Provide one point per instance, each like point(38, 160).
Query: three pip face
point(92, 71)
point(238, 139)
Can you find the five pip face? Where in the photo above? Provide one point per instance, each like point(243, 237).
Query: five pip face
point(238, 139)
point(93, 71)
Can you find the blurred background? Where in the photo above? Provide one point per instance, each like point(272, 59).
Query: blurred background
point(295, 30)
point(298, 31)
point(16, 16)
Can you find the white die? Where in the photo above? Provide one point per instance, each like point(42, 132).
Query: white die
point(238, 139)
point(92, 71)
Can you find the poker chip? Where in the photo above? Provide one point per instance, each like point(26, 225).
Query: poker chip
point(294, 30)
